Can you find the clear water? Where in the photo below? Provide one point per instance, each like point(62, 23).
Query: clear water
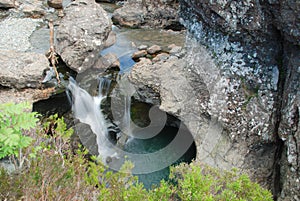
point(152, 147)
point(129, 39)
point(144, 146)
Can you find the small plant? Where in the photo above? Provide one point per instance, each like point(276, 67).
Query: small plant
point(201, 182)
point(55, 173)
point(15, 121)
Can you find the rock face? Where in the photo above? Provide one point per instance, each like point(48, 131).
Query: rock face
point(7, 4)
point(81, 34)
point(254, 91)
point(20, 69)
point(141, 13)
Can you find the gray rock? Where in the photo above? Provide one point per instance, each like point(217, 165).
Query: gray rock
point(289, 128)
point(142, 47)
point(112, 60)
point(7, 3)
point(154, 49)
point(112, 38)
point(175, 50)
point(159, 14)
point(184, 96)
point(161, 57)
point(82, 33)
point(33, 9)
point(260, 67)
point(21, 70)
point(139, 54)
point(129, 16)
point(15, 33)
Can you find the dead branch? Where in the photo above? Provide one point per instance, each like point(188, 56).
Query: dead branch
point(52, 54)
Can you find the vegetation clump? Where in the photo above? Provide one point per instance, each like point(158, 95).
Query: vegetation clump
point(54, 172)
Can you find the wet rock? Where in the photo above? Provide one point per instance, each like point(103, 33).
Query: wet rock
point(154, 49)
point(20, 69)
point(142, 47)
point(87, 137)
point(110, 60)
point(58, 4)
point(111, 39)
point(161, 57)
point(289, 128)
point(82, 34)
point(7, 3)
point(139, 54)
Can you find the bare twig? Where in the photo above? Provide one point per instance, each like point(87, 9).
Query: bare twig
point(52, 53)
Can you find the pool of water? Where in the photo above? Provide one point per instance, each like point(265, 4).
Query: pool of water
point(154, 144)
point(129, 39)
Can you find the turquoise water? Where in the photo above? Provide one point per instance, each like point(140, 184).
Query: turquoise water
point(154, 144)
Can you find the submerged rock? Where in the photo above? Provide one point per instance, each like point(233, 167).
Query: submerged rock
point(82, 33)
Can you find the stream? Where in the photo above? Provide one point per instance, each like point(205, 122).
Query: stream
point(151, 140)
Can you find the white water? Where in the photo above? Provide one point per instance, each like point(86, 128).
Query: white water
point(87, 109)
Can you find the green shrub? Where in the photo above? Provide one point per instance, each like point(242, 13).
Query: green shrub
point(53, 172)
point(14, 123)
point(201, 182)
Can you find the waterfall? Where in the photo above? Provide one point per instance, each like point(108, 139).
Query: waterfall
point(87, 109)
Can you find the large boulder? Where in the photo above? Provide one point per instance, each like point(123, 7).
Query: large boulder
point(193, 90)
point(21, 69)
point(140, 13)
point(82, 33)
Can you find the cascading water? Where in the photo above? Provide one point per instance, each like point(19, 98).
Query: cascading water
point(152, 149)
point(87, 109)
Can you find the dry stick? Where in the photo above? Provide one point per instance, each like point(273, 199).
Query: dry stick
point(52, 52)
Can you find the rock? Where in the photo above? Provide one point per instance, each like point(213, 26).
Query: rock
point(289, 128)
point(33, 9)
point(287, 19)
point(183, 96)
point(139, 54)
point(142, 47)
point(154, 49)
point(161, 57)
point(24, 95)
point(159, 14)
point(129, 16)
point(261, 105)
point(58, 4)
point(15, 33)
point(7, 3)
point(110, 60)
point(21, 69)
point(112, 37)
point(175, 50)
point(82, 34)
